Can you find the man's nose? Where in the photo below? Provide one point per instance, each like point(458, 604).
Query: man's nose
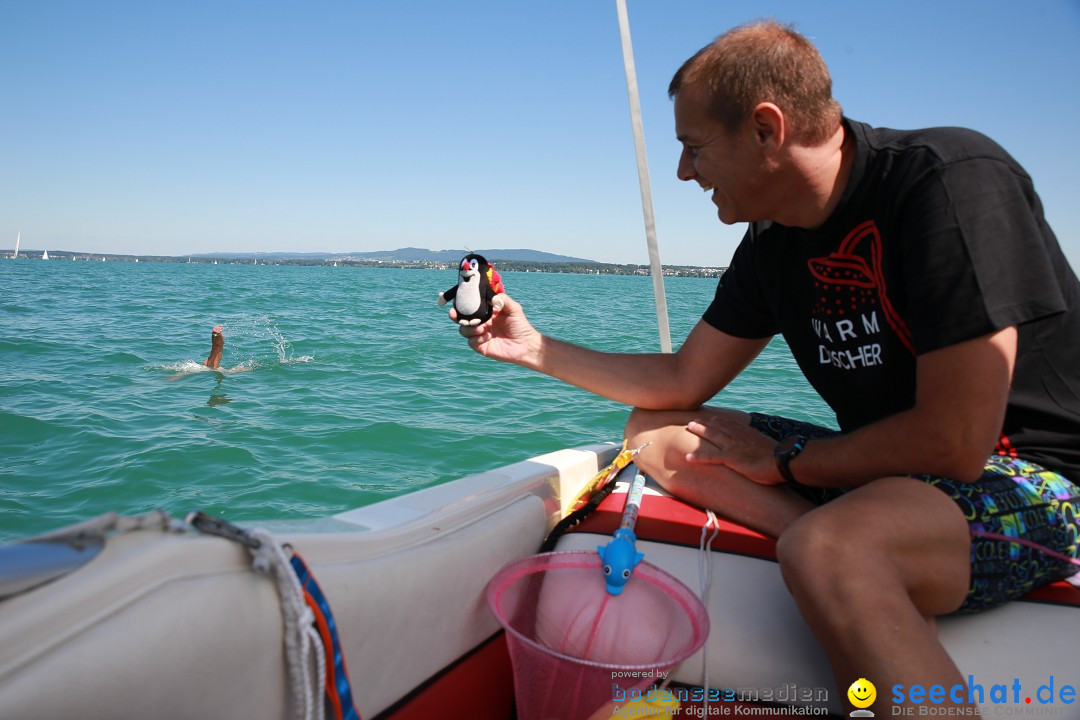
point(686, 171)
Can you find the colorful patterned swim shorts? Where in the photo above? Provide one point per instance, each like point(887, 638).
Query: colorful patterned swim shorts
point(1013, 498)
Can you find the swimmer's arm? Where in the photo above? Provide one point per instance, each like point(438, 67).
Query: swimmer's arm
point(960, 401)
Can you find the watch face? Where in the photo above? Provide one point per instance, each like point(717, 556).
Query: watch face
point(789, 445)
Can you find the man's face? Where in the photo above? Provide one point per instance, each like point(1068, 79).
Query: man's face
point(729, 165)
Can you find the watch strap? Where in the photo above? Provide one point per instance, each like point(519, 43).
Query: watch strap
point(787, 450)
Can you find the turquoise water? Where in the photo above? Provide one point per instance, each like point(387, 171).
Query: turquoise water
point(357, 387)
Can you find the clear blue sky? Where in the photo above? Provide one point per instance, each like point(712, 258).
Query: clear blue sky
point(195, 126)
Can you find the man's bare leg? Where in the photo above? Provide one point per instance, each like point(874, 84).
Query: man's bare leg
point(217, 345)
point(869, 571)
point(767, 509)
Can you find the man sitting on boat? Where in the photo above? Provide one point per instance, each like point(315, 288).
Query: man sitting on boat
point(924, 296)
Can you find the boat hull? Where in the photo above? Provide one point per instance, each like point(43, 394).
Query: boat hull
point(179, 626)
point(172, 625)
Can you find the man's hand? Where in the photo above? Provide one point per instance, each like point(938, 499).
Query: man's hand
point(737, 446)
point(507, 335)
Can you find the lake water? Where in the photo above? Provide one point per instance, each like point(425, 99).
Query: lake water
point(358, 388)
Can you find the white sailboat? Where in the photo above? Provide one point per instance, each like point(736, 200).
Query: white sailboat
point(45, 255)
point(18, 237)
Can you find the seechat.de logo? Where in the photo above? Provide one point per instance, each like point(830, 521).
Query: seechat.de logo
point(862, 695)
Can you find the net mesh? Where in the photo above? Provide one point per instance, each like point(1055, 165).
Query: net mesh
point(574, 647)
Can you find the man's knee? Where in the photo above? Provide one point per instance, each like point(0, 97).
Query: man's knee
point(815, 552)
point(835, 554)
point(851, 548)
point(646, 425)
point(668, 440)
point(643, 425)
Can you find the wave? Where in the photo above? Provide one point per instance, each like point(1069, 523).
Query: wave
point(360, 388)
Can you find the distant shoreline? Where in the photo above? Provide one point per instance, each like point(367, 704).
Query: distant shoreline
point(577, 268)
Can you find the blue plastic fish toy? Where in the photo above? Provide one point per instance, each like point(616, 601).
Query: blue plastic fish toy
point(620, 556)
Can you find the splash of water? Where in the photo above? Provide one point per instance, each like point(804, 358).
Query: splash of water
point(282, 347)
point(252, 342)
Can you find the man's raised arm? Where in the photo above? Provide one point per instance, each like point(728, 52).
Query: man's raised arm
point(704, 365)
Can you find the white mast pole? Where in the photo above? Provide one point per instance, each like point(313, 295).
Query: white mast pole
point(655, 268)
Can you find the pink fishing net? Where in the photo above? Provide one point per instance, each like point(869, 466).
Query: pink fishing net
point(576, 649)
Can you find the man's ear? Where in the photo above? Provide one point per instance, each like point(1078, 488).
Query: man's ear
point(770, 125)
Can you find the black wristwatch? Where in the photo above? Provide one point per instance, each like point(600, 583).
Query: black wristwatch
point(787, 450)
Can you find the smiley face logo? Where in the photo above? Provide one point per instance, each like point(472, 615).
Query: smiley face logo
point(862, 693)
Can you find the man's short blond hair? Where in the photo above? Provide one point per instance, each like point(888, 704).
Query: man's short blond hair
point(764, 61)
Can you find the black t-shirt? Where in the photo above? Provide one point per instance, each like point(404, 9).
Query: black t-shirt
point(939, 237)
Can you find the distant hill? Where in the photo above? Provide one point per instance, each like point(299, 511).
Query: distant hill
point(405, 258)
point(407, 255)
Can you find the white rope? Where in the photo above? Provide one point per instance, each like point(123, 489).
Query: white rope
point(301, 640)
point(102, 525)
point(303, 645)
point(705, 581)
point(320, 672)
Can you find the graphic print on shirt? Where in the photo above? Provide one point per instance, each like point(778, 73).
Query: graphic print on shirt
point(852, 303)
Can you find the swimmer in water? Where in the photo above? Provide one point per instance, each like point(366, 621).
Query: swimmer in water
point(217, 345)
point(213, 361)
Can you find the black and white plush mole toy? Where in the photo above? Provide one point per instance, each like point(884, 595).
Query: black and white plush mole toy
point(478, 284)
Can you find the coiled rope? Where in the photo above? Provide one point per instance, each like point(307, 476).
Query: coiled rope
point(304, 652)
point(303, 646)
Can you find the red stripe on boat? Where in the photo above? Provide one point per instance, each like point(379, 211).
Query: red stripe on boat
point(669, 520)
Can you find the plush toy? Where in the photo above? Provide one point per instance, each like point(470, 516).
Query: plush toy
point(478, 283)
